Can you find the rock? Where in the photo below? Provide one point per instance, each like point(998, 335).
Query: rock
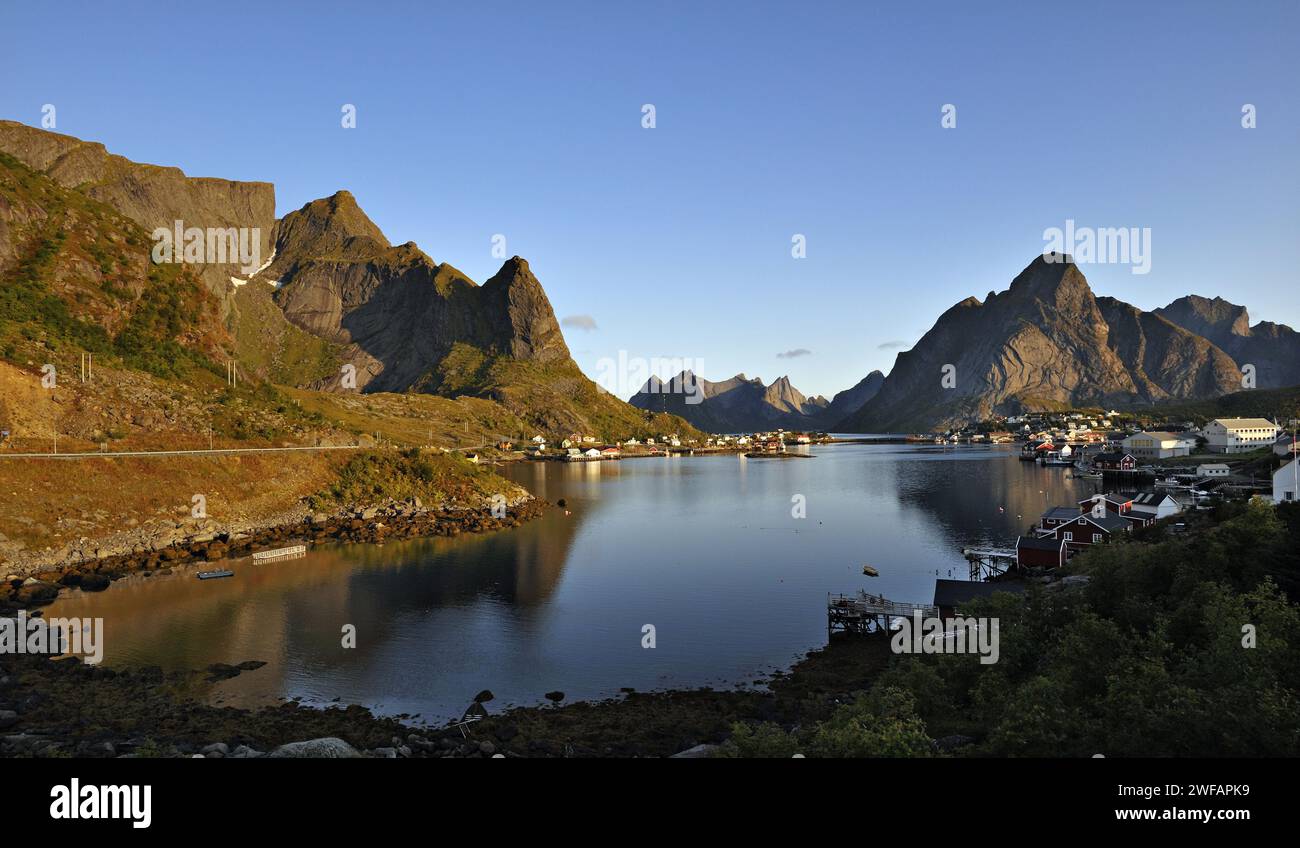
point(484, 696)
point(385, 753)
point(102, 749)
point(1076, 580)
point(951, 743)
point(8, 718)
point(487, 747)
point(243, 752)
point(215, 748)
point(328, 747)
point(555, 697)
point(696, 753)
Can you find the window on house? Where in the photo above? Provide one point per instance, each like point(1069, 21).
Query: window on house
point(1069, 537)
point(1096, 537)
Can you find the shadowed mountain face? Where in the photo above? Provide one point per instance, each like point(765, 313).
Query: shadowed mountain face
point(1046, 342)
point(1273, 349)
point(399, 312)
point(744, 405)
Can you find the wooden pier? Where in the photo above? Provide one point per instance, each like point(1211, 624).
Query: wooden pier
point(292, 552)
point(866, 613)
point(987, 563)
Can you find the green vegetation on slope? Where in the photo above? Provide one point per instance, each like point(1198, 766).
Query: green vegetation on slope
point(1151, 658)
point(82, 279)
point(556, 398)
point(434, 477)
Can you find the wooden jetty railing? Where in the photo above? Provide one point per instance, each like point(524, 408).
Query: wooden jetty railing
point(292, 552)
point(866, 613)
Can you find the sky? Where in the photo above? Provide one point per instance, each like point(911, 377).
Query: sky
point(771, 121)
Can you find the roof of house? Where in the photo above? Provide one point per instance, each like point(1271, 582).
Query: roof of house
point(1152, 499)
point(1157, 434)
point(1240, 423)
point(1040, 543)
point(1062, 513)
point(951, 593)
point(1215, 465)
point(1110, 522)
point(1115, 499)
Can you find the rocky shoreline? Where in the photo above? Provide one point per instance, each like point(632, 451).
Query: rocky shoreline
point(61, 708)
point(93, 566)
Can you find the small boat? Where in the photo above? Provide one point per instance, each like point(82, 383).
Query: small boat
point(213, 575)
point(870, 571)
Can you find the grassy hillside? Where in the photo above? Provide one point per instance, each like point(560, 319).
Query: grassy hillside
point(79, 278)
point(556, 398)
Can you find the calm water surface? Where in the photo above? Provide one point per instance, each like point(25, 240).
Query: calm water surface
point(703, 548)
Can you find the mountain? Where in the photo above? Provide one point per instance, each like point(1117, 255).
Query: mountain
point(329, 291)
point(1274, 349)
point(746, 405)
point(850, 400)
point(1047, 342)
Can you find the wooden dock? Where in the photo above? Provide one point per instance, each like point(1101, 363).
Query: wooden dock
point(292, 552)
point(867, 613)
point(987, 563)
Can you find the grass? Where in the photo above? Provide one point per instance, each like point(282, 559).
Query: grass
point(434, 477)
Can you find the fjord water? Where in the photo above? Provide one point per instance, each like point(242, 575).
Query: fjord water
point(705, 549)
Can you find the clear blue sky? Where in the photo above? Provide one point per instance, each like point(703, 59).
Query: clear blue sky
point(772, 119)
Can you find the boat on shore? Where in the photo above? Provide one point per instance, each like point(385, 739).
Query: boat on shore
point(214, 575)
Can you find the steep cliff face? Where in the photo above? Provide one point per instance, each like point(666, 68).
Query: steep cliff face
point(1045, 343)
point(852, 399)
point(1273, 349)
point(398, 312)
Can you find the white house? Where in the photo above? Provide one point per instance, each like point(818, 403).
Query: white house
point(1239, 435)
point(592, 453)
point(1156, 445)
point(1286, 482)
point(1155, 505)
point(1286, 445)
point(1213, 469)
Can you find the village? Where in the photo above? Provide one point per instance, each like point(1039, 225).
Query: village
point(1148, 476)
point(578, 447)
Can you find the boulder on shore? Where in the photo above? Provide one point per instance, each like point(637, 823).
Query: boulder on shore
point(328, 747)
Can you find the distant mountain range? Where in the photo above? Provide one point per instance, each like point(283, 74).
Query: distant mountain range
point(1048, 342)
point(747, 405)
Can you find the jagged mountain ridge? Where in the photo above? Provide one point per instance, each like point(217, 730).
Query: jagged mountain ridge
point(742, 404)
point(1274, 349)
point(1046, 342)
